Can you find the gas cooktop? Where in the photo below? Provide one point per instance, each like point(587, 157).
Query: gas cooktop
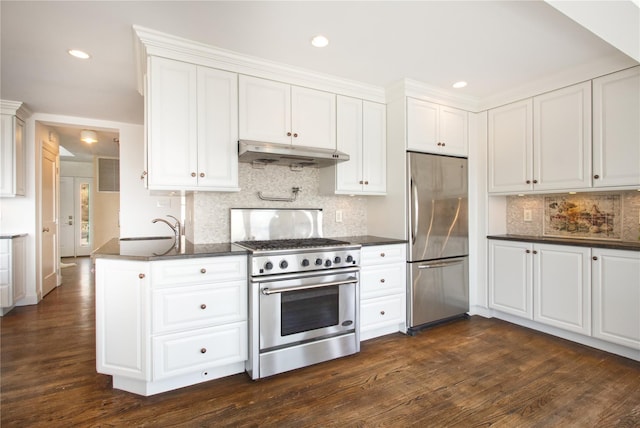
point(291, 244)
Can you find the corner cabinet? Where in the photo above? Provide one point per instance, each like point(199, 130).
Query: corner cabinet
point(12, 152)
point(616, 129)
point(167, 324)
point(382, 290)
point(277, 112)
point(435, 128)
point(361, 133)
point(192, 123)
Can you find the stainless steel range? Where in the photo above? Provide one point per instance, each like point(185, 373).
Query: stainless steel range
point(304, 290)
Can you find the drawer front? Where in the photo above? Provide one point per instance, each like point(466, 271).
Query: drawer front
point(188, 352)
point(376, 281)
point(375, 313)
point(198, 271)
point(377, 254)
point(205, 305)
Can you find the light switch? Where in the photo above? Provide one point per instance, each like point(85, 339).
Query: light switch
point(527, 215)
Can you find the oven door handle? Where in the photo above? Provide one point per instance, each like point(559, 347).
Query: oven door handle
point(267, 291)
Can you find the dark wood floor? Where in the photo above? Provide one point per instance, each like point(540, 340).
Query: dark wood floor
point(480, 372)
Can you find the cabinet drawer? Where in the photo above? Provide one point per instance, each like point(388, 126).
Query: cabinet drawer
point(378, 312)
point(377, 254)
point(198, 271)
point(189, 352)
point(382, 280)
point(204, 305)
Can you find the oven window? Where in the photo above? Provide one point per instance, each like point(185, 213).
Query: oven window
point(306, 310)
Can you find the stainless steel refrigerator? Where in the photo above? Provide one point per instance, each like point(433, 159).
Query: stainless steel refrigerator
point(438, 256)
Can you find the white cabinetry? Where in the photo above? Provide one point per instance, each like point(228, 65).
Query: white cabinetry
point(361, 132)
point(281, 113)
point(510, 278)
point(12, 150)
point(192, 127)
point(435, 128)
point(13, 272)
point(542, 144)
point(616, 129)
point(382, 290)
point(616, 296)
point(167, 324)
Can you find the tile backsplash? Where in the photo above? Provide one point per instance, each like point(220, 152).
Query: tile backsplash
point(210, 210)
point(602, 215)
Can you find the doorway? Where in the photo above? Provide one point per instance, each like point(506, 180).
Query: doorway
point(76, 211)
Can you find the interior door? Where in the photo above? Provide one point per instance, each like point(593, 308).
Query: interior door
point(83, 195)
point(49, 204)
point(67, 216)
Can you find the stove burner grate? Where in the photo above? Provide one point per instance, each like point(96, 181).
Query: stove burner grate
point(286, 244)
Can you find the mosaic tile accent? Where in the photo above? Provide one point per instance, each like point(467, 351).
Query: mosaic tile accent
point(209, 211)
point(585, 216)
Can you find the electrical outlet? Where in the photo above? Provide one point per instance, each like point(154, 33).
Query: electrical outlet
point(527, 215)
point(338, 216)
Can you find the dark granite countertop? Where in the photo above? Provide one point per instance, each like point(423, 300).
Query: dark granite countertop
point(369, 240)
point(162, 249)
point(595, 243)
point(12, 235)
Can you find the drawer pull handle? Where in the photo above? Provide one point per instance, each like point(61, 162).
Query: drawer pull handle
point(382, 254)
point(381, 312)
point(203, 350)
point(141, 276)
point(203, 306)
point(203, 270)
point(382, 280)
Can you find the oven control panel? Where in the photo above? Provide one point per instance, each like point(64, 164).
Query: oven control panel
point(292, 262)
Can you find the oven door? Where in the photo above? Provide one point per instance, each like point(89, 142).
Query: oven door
point(307, 308)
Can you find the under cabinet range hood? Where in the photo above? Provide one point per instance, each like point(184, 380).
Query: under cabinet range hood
point(286, 154)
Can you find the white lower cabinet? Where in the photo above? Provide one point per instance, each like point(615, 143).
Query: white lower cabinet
point(13, 272)
point(167, 324)
point(382, 290)
point(590, 291)
point(616, 296)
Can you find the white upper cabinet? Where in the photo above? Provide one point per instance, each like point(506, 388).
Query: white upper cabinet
point(281, 113)
point(434, 128)
point(12, 152)
point(562, 138)
point(191, 127)
point(510, 148)
point(616, 129)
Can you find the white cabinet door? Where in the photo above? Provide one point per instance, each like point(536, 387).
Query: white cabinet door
point(616, 129)
point(374, 151)
point(510, 147)
point(562, 138)
point(436, 129)
point(616, 296)
point(349, 140)
point(12, 156)
point(510, 278)
point(313, 118)
point(122, 327)
point(264, 110)
point(562, 284)
point(172, 124)
point(217, 162)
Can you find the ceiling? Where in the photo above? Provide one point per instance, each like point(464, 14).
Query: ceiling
point(494, 45)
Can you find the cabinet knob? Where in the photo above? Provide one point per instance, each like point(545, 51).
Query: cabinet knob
point(203, 306)
point(439, 143)
point(203, 270)
point(143, 175)
point(596, 176)
point(535, 252)
point(288, 134)
point(203, 350)
point(535, 181)
point(46, 229)
point(295, 135)
point(201, 174)
point(193, 174)
point(381, 312)
point(594, 258)
point(141, 275)
point(382, 254)
point(443, 144)
point(366, 182)
point(382, 280)
point(361, 182)
point(527, 251)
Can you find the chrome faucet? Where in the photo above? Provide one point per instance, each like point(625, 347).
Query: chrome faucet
point(177, 227)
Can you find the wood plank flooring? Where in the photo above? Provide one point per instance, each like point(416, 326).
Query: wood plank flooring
point(471, 373)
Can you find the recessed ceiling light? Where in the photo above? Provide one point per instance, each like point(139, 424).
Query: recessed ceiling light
point(460, 84)
point(319, 41)
point(79, 54)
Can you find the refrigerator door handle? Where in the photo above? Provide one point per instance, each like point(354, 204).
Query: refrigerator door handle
point(441, 264)
point(414, 205)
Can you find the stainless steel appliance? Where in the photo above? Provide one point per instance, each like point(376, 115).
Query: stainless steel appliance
point(304, 290)
point(438, 265)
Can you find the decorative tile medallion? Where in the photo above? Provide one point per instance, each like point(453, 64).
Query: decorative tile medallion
point(584, 216)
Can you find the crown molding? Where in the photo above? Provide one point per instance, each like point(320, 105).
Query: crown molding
point(16, 108)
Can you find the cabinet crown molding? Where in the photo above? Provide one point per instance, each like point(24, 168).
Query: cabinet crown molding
point(16, 108)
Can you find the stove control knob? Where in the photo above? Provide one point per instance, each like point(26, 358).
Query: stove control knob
point(283, 264)
point(305, 262)
point(337, 260)
point(349, 259)
point(318, 262)
point(268, 265)
point(327, 263)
